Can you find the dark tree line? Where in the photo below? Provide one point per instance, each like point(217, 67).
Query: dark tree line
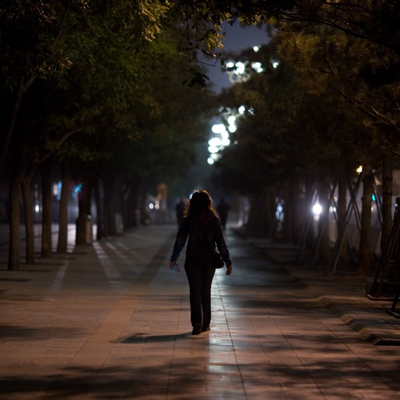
point(88, 86)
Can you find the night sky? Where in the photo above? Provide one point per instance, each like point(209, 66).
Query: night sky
point(236, 39)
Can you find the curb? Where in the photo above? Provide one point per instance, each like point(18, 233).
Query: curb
point(356, 325)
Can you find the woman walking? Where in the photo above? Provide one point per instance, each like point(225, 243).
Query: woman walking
point(203, 227)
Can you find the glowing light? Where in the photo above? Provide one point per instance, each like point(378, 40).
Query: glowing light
point(214, 142)
point(213, 149)
point(225, 135)
point(242, 110)
point(332, 209)
point(317, 209)
point(225, 142)
point(232, 128)
point(240, 68)
point(257, 66)
point(151, 206)
point(218, 128)
point(275, 64)
point(230, 64)
point(55, 189)
point(231, 120)
point(37, 208)
point(359, 169)
point(256, 49)
point(210, 161)
point(78, 188)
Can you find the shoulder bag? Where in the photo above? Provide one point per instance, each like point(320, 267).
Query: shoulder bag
point(216, 259)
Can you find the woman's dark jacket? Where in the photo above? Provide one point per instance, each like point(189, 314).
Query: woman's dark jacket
point(205, 232)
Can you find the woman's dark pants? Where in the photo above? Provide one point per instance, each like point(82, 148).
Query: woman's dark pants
point(200, 280)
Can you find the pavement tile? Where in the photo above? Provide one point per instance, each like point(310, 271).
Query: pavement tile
point(111, 321)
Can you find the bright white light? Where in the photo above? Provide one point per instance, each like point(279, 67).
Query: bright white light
point(215, 156)
point(275, 64)
point(232, 128)
point(240, 68)
point(225, 142)
point(257, 66)
point(55, 189)
point(214, 142)
point(37, 208)
point(231, 120)
point(251, 111)
point(225, 135)
point(256, 49)
point(359, 169)
point(317, 209)
point(218, 128)
point(213, 149)
point(332, 209)
point(230, 64)
point(241, 109)
point(151, 206)
point(210, 161)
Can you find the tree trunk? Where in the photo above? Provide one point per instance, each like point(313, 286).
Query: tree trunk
point(110, 208)
point(81, 224)
point(11, 123)
point(259, 222)
point(62, 245)
point(288, 212)
point(323, 223)
point(84, 225)
point(341, 214)
point(297, 207)
point(271, 222)
point(28, 213)
point(308, 204)
point(132, 205)
point(99, 208)
point(45, 172)
point(14, 262)
point(364, 261)
point(387, 190)
point(291, 221)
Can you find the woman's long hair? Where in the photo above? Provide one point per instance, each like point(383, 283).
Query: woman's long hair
point(200, 201)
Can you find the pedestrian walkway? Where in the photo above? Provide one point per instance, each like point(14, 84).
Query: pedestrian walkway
point(110, 321)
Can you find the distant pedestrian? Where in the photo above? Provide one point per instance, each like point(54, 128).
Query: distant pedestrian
point(180, 208)
point(222, 210)
point(203, 227)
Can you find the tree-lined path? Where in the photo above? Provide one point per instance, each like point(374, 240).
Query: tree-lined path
point(111, 321)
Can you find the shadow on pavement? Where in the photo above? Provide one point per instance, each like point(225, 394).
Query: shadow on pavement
point(144, 338)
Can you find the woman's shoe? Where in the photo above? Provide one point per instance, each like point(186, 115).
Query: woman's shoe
point(196, 330)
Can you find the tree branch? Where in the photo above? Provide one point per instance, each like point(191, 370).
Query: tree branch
point(59, 144)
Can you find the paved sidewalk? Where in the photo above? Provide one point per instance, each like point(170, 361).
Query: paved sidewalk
point(111, 321)
point(343, 293)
